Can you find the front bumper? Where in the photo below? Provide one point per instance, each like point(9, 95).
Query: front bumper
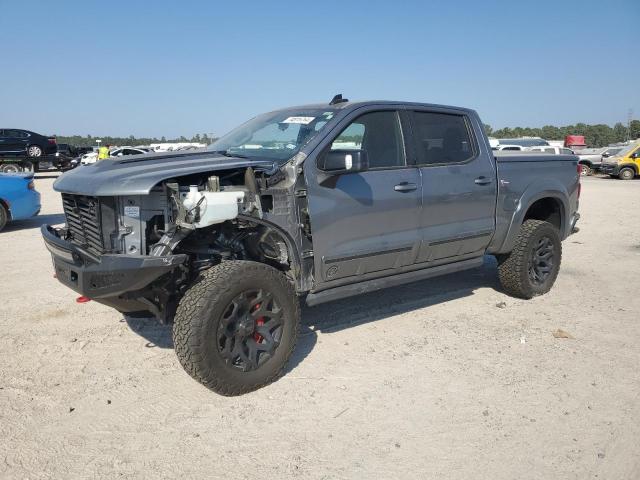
point(610, 168)
point(111, 279)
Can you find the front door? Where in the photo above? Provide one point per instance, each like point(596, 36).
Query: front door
point(459, 187)
point(365, 224)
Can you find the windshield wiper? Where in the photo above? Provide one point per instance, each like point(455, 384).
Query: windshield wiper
point(227, 153)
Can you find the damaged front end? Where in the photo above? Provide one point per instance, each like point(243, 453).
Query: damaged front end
point(139, 253)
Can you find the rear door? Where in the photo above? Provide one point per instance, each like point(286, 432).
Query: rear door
point(458, 184)
point(364, 224)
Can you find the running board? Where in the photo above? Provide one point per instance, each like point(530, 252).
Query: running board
point(367, 286)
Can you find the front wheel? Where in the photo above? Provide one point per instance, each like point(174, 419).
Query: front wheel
point(585, 170)
point(532, 266)
point(236, 326)
point(626, 174)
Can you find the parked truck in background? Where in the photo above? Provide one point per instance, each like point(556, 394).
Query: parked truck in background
point(318, 202)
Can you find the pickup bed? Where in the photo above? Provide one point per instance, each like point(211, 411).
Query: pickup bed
point(319, 202)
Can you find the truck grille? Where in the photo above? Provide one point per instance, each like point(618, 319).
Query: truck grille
point(84, 221)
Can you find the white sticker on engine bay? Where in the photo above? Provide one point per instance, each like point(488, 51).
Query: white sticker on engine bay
point(301, 120)
point(131, 212)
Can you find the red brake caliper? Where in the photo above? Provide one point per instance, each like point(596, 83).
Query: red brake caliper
point(259, 322)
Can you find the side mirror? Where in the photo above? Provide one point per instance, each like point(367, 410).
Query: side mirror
point(606, 155)
point(635, 155)
point(335, 162)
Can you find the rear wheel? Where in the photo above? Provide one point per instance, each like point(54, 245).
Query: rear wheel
point(34, 151)
point(236, 327)
point(532, 266)
point(4, 216)
point(626, 173)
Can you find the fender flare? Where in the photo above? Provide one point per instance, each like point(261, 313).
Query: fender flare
point(294, 254)
point(632, 166)
point(532, 194)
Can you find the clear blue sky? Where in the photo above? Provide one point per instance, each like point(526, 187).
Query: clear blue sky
point(184, 67)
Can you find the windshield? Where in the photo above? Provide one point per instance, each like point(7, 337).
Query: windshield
point(627, 150)
point(274, 136)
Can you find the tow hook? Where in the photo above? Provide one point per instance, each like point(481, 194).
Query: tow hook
point(82, 299)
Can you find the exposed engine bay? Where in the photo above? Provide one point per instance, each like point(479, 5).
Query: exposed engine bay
point(233, 215)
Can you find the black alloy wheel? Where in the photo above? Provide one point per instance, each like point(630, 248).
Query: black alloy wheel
point(250, 330)
point(541, 261)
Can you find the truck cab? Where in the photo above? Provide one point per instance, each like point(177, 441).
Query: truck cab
point(625, 164)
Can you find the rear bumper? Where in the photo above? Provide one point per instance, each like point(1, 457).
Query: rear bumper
point(109, 279)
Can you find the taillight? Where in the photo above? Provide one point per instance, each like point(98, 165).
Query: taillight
point(52, 140)
point(31, 185)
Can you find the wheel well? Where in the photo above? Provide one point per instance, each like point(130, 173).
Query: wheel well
point(6, 207)
point(585, 162)
point(632, 166)
point(547, 209)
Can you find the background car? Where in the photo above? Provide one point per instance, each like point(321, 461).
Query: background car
point(89, 158)
point(19, 199)
point(591, 158)
point(515, 148)
point(25, 142)
point(552, 150)
point(66, 150)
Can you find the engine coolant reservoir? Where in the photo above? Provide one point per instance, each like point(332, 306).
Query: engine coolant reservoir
point(215, 207)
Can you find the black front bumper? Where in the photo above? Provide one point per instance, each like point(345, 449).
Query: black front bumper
point(109, 279)
point(610, 168)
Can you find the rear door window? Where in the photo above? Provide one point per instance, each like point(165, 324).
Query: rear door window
point(14, 134)
point(442, 138)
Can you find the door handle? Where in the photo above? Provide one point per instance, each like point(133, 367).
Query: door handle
point(483, 180)
point(405, 187)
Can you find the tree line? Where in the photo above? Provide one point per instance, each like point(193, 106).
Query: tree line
point(599, 135)
point(89, 140)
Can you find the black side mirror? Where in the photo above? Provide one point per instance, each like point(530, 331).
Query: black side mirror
point(635, 154)
point(606, 155)
point(335, 162)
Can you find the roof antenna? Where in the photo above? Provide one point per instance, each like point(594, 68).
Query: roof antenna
point(338, 99)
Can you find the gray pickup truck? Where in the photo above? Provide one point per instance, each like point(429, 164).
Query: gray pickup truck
point(321, 202)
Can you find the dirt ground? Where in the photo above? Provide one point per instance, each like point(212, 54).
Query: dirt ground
point(446, 378)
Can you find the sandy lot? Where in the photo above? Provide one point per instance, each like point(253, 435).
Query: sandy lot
point(430, 380)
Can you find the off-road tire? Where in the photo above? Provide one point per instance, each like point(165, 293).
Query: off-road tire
point(626, 173)
point(513, 268)
point(4, 216)
point(34, 151)
point(199, 313)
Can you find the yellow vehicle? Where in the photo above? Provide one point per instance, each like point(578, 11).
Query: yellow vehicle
point(625, 164)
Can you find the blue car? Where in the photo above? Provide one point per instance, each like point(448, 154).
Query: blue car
point(18, 197)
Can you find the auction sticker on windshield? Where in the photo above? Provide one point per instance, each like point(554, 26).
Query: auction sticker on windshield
point(301, 120)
